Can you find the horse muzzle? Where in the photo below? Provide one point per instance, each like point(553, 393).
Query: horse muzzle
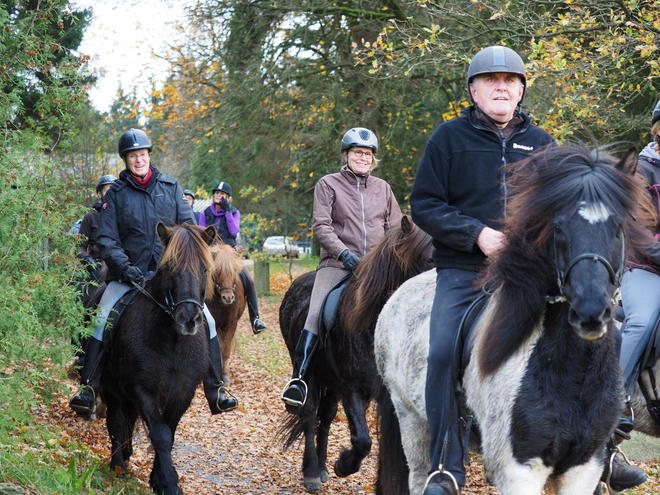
point(590, 323)
point(189, 319)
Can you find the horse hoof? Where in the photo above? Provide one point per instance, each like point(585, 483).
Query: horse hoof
point(312, 484)
point(341, 473)
point(324, 476)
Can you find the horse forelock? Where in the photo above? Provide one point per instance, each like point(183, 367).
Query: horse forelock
point(557, 181)
point(227, 264)
point(186, 252)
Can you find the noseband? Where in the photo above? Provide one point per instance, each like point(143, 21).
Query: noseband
point(562, 276)
point(220, 289)
point(170, 305)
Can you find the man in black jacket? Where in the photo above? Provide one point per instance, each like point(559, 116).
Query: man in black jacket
point(130, 211)
point(458, 197)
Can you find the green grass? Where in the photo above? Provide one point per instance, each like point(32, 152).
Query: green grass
point(39, 456)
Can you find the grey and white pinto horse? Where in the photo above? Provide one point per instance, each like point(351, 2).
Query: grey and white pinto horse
point(543, 380)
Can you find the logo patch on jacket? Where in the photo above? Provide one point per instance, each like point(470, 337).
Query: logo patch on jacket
point(517, 146)
point(104, 205)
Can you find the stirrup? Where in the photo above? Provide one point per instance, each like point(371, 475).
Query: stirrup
point(227, 395)
point(258, 326)
point(610, 467)
point(82, 410)
point(441, 470)
point(292, 402)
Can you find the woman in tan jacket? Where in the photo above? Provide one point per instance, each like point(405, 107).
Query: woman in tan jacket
point(352, 211)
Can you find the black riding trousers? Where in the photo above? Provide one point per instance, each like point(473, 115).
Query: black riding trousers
point(454, 292)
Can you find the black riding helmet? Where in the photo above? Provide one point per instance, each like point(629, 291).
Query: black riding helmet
point(134, 139)
point(494, 59)
point(222, 186)
point(106, 179)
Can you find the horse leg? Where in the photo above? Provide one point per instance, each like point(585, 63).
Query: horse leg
point(164, 478)
point(120, 431)
point(326, 413)
point(310, 464)
point(350, 459)
point(525, 479)
point(584, 478)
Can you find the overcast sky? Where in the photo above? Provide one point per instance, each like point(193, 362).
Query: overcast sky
point(125, 39)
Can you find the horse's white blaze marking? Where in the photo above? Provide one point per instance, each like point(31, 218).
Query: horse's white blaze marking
point(594, 212)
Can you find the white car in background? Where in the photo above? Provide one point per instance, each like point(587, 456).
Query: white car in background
point(281, 245)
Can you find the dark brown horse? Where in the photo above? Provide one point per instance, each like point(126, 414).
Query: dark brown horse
point(345, 369)
point(158, 353)
point(227, 303)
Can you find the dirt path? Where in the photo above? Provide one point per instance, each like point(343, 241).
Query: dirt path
point(237, 452)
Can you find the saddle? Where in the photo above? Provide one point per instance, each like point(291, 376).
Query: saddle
point(461, 358)
point(328, 319)
point(646, 364)
point(329, 309)
point(115, 315)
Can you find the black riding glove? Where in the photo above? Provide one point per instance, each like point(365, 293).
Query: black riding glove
point(226, 205)
point(349, 259)
point(132, 274)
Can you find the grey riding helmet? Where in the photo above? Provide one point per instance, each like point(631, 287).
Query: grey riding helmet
point(106, 179)
point(656, 113)
point(188, 192)
point(222, 186)
point(359, 136)
point(497, 59)
point(134, 139)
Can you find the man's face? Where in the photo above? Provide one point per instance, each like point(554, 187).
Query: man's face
point(137, 162)
point(497, 94)
point(189, 198)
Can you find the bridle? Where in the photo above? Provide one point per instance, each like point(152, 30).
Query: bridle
point(170, 304)
point(220, 289)
point(562, 276)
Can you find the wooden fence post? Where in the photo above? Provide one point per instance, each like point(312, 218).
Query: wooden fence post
point(262, 276)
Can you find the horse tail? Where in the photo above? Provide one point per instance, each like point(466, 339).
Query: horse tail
point(392, 476)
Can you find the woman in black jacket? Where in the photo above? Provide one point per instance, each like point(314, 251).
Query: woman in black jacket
point(130, 211)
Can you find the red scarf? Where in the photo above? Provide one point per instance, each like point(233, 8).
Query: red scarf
point(143, 182)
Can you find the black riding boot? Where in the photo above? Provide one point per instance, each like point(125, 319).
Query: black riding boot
point(295, 392)
point(618, 475)
point(258, 326)
point(84, 403)
point(214, 386)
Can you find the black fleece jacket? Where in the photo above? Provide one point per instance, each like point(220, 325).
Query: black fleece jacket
point(460, 186)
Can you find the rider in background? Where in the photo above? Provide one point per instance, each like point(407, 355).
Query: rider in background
point(352, 211)
point(130, 211)
point(90, 252)
point(227, 221)
point(640, 286)
point(190, 197)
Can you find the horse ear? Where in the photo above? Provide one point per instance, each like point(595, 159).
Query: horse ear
point(163, 233)
point(406, 224)
point(209, 234)
point(628, 163)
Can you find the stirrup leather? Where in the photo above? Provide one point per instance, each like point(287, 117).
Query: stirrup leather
point(292, 402)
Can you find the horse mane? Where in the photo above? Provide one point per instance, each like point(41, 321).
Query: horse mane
point(187, 251)
point(226, 262)
point(404, 251)
point(542, 186)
